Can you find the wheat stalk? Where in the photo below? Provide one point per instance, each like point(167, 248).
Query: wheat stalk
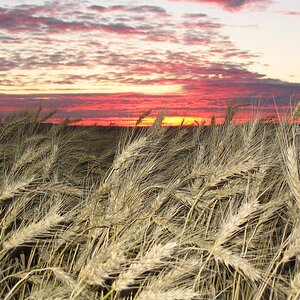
point(153, 259)
point(99, 268)
point(130, 153)
point(293, 248)
point(240, 264)
point(295, 288)
point(29, 156)
point(180, 275)
point(30, 232)
point(64, 277)
point(14, 188)
point(234, 169)
point(232, 224)
point(296, 112)
point(293, 173)
point(170, 294)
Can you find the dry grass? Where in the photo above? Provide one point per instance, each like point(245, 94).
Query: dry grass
point(189, 213)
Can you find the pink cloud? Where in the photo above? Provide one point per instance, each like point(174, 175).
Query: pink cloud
point(19, 20)
point(110, 38)
point(206, 93)
point(16, 20)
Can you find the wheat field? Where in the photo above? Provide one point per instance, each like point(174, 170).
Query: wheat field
point(158, 213)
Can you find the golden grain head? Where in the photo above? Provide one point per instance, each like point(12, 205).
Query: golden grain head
point(149, 214)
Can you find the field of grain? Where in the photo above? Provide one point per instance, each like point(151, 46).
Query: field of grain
point(159, 213)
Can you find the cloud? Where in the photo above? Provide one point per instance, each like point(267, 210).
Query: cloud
point(147, 9)
point(194, 39)
point(203, 98)
point(26, 19)
point(291, 13)
point(10, 40)
point(194, 16)
point(233, 5)
point(205, 90)
point(104, 9)
point(202, 25)
point(121, 29)
point(141, 9)
point(20, 20)
point(6, 64)
point(134, 48)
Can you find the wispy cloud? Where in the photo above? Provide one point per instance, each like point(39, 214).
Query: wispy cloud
point(141, 9)
point(233, 5)
point(290, 13)
point(109, 9)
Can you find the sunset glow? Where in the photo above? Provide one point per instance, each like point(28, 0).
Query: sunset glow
point(109, 63)
point(174, 121)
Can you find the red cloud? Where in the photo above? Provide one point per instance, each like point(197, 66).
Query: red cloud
point(207, 93)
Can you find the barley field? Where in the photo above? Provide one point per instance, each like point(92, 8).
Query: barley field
point(159, 213)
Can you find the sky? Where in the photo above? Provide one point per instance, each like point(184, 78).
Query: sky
point(108, 62)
